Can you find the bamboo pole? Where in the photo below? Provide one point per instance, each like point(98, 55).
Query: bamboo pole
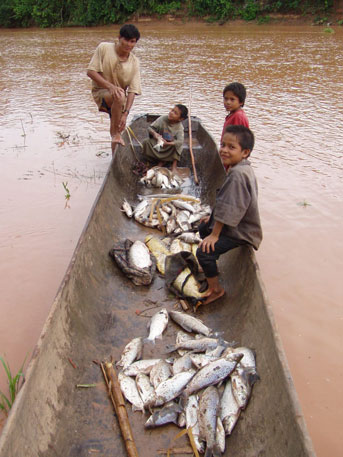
point(118, 402)
point(190, 138)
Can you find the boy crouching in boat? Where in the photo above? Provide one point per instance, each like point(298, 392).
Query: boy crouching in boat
point(166, 136)
point(235, 219)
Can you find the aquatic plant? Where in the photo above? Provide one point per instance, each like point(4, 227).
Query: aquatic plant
point(67, 195)
point(6, 402)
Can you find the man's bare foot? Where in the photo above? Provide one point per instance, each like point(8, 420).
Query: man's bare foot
point(117, 139)
point(213, 295)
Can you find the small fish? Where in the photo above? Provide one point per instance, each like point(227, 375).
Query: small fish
point(131, 352)
point(212, 373)
point(127, 208)
point(182, 336)
point(242, 381)
point(141, 366)
point(141, 208)
point(129, 388)
point(190, 237)
point(168, 414)
point(172, 387)
point(196, 345)
point(208, 409)
point(177, 245)
point(229, 409)
point(158, 324)
point(139, 255)
point(190, 323)
point(159, 373)
point(220, 436)
point(201, 360)
point(146, 390)
point(184, 205)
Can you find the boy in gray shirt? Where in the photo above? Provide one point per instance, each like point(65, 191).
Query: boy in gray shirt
point(235, 217)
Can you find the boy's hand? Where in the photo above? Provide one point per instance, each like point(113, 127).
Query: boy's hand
point(207, 244)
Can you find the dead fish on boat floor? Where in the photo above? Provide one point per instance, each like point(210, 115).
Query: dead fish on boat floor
point(161, 177)
point(134, 260)
point(157, 325)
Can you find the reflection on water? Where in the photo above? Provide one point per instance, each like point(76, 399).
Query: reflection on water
point(294, 81)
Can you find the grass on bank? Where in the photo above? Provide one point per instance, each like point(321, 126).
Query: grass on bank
point(6, 402)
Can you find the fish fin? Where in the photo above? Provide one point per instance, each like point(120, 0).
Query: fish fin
point(216, 452)
point(149, 341)
point(208, 452)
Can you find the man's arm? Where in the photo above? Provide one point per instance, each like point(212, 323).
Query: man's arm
point(102, 82)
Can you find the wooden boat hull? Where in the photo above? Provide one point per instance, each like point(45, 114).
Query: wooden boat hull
point(93, 317)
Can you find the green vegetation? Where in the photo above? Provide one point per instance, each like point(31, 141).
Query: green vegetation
point(57, 13)
point(6, 402)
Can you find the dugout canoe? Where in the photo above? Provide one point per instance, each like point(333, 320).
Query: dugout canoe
point(94, 315)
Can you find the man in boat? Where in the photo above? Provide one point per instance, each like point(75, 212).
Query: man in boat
point(166, 135)
point(115, 75)
point(235, 219)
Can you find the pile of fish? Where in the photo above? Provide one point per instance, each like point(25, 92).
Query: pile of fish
point(204, 387)
point(172, 214)
point(161, 178)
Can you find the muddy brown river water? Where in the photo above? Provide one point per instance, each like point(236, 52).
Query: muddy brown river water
point(51, 134)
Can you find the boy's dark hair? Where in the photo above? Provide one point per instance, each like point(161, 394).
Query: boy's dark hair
point(238, 89)
point(129, 31)
point(184, 111)
point(245, 137)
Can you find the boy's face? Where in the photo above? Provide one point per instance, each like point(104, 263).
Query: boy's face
point(174, 115)
point(231, 101)
point(126, 45)
point(231, 151)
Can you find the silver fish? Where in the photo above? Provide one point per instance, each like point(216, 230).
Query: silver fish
point(190, 323)
point(208, 409)
point(212, 373)
point(184, 205)
point(181, 420)
point(131, 352)
point(191, 411)
point(172, 387)
point(183, 363)
point(229, 409)
point(169, 413)
point(158, 324)
point(159, 373)
point(129, 388)
point(139, 255)
point(146, 390)
point(171, 225)
point(248, 359)
point(127, 208)
point(141, 366)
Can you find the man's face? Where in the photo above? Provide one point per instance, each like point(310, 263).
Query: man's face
point(127, 45)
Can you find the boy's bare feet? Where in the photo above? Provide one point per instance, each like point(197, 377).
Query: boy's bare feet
point(212, 295)
point(117, 139)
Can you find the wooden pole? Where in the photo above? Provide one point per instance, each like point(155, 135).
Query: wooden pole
point(118, 401)
point(190, 138)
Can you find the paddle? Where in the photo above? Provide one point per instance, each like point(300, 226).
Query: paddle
point(190, 137)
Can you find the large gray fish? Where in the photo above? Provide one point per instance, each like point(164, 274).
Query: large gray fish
point(172, 387)
point(168, 414)
point(190, 323)
point(242, 380)
point(191, 411)
point(146, 390)
point(212, 373)
point(131, 352)
point(158, 324)
point(140, 366)
point(139, 255)
point(159, 373)
point(159, 250)
point(229, 409)
point(208, 409)
point(129, 388)
point(197, 345)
